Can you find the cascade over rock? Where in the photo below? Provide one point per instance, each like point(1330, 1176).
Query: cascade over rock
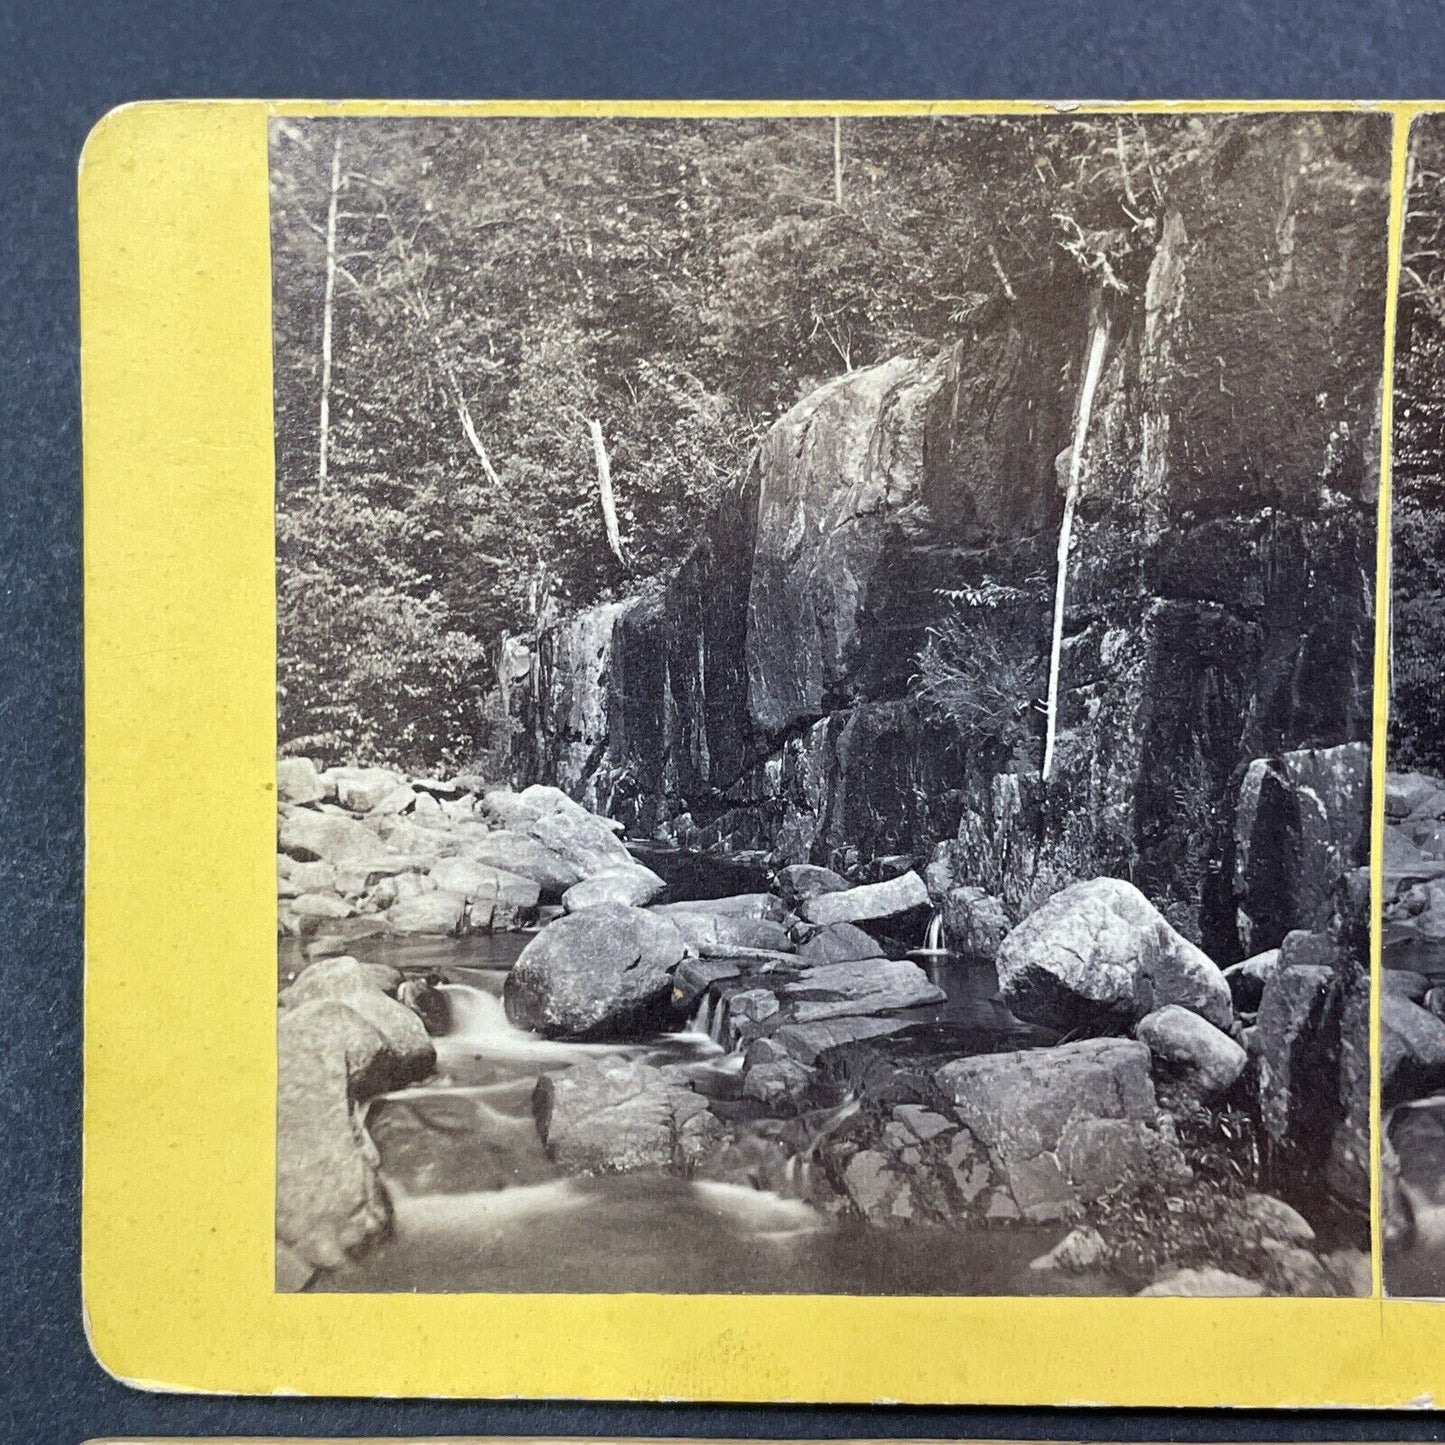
point(1219, 605)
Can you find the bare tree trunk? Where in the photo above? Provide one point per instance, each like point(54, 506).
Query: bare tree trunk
point(604, 491)
point(327, 307)
point(837, 160)
point(1097, 343)
point(464, 413)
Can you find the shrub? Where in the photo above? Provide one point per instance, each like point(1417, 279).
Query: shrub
point(983, 677)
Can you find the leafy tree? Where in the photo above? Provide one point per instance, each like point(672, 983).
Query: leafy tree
point(497, 286)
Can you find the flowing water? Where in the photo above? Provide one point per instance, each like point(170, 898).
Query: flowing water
point(1417, 1132)
point(480, 1207)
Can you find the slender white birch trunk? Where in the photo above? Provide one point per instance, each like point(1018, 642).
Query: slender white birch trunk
point(837, 160)
point(464, 414)
point(1097, 343)
point(327, 307)
point(604, 491)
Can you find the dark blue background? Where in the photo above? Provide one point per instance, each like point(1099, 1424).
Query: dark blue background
point(61, 66)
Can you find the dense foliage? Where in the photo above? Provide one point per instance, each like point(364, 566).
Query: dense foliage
point(1417, 695)
point(500, 285)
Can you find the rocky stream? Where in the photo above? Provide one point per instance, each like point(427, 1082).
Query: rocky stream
point(577, 1075)
point(758, 960)
point(1412, 1035)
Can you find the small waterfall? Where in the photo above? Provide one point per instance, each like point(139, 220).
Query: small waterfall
point(701, 1021)
point(710, 1019)
point(935, 940)
point(478, 1025)
point(718, 1026)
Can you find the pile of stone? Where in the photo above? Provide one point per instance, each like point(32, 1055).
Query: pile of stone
point(804, 984)
point(793, 978)
point(364, 849)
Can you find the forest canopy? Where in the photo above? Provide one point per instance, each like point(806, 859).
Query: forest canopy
point(518, 361)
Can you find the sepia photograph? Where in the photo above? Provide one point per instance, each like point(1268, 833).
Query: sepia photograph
point(824, 698)
point(1412, 1002)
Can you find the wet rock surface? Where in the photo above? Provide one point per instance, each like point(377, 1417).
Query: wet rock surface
point(341, 1038)
point(600, 972)
point(615, 1116)
point(1412, 1035)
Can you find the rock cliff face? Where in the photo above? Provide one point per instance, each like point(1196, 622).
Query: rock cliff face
point(1219, 602)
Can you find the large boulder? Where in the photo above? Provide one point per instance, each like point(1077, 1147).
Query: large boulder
point(335, 977)
point(1299, 1056)
point(737, 905)
point(1412, 1049)
point(629, 884)
point(482, 881)
point(522, 855)
point(602, 972)
point(1190, 1053)
point(308, 835)
point(320, 905)
point(799, 882)
point(297, 781)
point(329, 1198)
point(1301, 823)
point(1414, 794)
point(804, 1042)
point(368, 989)
point(508, 809)
point(732, 930)
point(1065, 1124)
point(838, 943)
point(1207, 1282)
point(438, 911)
point(613, 1115)
point(974, 922)
point(298, 878)
point(360, 790)
point(581, 839)
point(869, 901)
point(1099, 955)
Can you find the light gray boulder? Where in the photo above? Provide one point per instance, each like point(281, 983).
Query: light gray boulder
point(519, 853)
point(360, 790)
point(838, 943)
point(730, 930)
point(482, 881)
point(867, 986)
point(975, 923)
point(1412, 1048)
point(1098, 954)
point(800, 881)
point(308, 835)
point(298, 781)
point(629, 884)
point(869, 901)
point(1064, 1124)
point(437, 911)
point(1205, 1283)
point(1191, 1053)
